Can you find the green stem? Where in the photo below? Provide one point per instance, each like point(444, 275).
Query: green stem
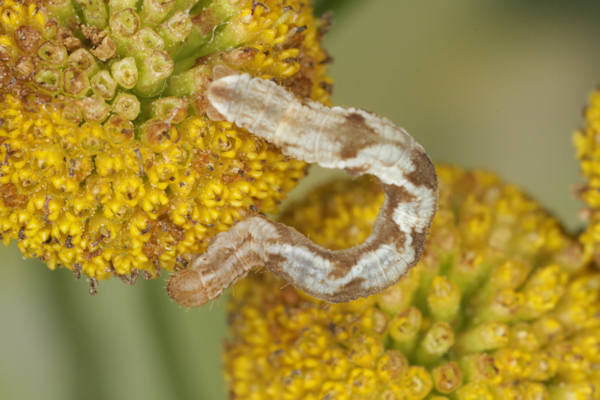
point(188, 49)
point(188, 365)
point(85, 357)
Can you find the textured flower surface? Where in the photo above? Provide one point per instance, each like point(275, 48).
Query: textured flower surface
point(108, 163)
point(501, 306)
point(588, 152)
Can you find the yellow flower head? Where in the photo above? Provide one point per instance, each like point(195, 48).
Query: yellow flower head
point(500, 306)
point(108, 163)
point(588, 152)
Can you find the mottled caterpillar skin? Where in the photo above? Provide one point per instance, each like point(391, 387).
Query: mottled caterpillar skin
point(333, 137)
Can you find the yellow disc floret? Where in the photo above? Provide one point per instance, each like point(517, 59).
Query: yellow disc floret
point(588, 152)
point(108, 162)
point(500, 306)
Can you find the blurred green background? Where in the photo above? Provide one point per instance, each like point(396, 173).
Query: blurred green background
point(498, 84)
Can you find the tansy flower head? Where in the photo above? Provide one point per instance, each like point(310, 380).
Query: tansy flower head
point(587, 151)
point(108, 163)
point(500, 306)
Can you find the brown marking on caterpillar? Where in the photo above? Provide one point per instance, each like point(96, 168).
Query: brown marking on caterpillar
point(357, 171)
point(359, 134)
point(354, 285)
point(424, 172)
point(351, 139)
point(419, 237)
point(355, 118)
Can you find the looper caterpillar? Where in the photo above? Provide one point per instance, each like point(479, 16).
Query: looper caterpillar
point(351, 139)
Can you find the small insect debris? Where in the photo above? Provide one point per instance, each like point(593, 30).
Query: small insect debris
point(93, 282)
point(333, 137)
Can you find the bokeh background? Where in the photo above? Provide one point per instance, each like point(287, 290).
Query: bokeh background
point(498, 84)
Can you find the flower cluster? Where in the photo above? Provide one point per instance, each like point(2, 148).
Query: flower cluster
point(108, 163)
point(586, 142)
point(500, 306)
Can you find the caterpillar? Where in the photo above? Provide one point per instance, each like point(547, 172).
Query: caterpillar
point(333, 137)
